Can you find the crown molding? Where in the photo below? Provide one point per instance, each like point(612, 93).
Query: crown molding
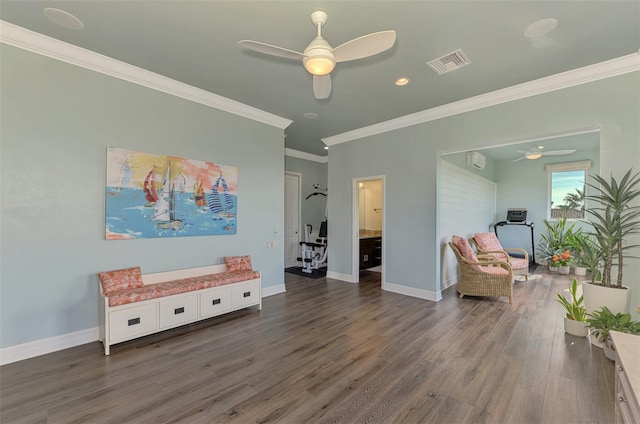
point(598, 71)
point(304, 155)
point(34, 42)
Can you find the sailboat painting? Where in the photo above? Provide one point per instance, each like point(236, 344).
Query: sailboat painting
point(150, 196)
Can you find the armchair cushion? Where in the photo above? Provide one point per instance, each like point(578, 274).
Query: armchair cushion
point(464, 247)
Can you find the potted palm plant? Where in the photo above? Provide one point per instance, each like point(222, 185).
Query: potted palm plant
point(614, 216)
point(576, 316)
point(602, 322)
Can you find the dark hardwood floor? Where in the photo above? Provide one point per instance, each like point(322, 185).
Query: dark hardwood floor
point(329, 351)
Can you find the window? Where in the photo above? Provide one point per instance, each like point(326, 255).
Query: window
point(567, 189)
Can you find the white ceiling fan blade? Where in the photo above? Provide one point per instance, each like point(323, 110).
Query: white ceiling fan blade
point(271, 50)
point(516, 160)
point(523, 151)
point(557, 152)
point(321, 86)
point(365, 46)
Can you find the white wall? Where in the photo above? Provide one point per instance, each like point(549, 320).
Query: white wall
point(370, 205)
point(467, 206)
point(409, 158)
point(56, 123)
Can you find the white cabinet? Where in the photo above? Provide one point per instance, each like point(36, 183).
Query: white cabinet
point(245, 294)
point(126, 322)
point(132, 322)
point(627, 384)
point(215, 301)
point(177, 310)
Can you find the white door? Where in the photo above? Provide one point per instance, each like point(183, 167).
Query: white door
point(291, 219)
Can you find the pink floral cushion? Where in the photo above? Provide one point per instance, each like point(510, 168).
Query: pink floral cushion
point(153, 291)
point(489, 242)
point(464, 247)
point(120, 279)
point(237, 263)
point(518, 263)
point(494, 270)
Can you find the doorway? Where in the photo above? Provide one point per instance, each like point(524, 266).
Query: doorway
point(292, 211)
point(368, 249)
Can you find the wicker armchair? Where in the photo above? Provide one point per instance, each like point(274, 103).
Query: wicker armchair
point(484, 276)
point(488, 244)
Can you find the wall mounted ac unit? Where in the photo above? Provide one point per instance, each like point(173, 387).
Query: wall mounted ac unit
point(476, 160)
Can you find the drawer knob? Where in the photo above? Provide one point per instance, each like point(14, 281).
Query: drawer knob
point(246, 294)
point(133, 321)
point(621, 399)
point(215, 301)
point(620, 369)
point(178, 310)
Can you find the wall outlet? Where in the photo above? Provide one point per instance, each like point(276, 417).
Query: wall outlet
point(271, 244)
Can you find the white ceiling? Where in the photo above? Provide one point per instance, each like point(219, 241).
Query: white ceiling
point(196, 42)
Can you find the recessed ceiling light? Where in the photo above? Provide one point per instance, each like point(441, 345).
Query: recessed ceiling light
point(540, 28)
point(62, 18)
point(310, 115)
point(326, 147)
point(402, 81)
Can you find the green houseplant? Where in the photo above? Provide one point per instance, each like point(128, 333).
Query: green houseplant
point(602, 322)
point(576, 316)
point(614, 217)
point(556, 238)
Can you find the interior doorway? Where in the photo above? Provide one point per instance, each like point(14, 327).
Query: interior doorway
point(292, 211)
point(368, 249)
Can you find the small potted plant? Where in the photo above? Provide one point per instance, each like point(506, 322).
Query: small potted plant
point(589, 255)
point(602, 322)
point(576, 316)
point(563, 260)
point(555, 240)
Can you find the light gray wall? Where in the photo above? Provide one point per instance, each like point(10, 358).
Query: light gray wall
point(524, 184)
point(56, 123)
point(409, 158)
point(313, 209)
point(460, 159)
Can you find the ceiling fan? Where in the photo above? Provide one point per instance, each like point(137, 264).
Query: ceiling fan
point(319, 58)
point(537, 152)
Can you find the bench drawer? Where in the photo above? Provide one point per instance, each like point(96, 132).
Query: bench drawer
point(215, 301)
point(132, 322)
point(180, 310)
point(245, 294)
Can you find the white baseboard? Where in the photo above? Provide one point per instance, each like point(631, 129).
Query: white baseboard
point(273, 290)
point(448, 283)
point(65, 341)
point(413, 292)
point(339, 276)
point(44, 346)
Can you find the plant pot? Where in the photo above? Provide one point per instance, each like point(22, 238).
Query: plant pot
point(575, 328)
point(553, 268)
point(610, 350)
point(597, 296)
point(595, 342)
point(580, 271)
point(564, 269)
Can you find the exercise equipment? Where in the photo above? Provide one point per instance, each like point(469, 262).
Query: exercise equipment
point(314, 254)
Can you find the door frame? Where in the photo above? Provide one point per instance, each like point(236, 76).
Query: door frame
point(355, 225)
point(299, 193)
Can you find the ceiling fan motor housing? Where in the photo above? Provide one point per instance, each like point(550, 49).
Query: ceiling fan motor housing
point(319, 58)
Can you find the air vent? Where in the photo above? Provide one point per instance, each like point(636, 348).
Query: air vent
point(449, 62)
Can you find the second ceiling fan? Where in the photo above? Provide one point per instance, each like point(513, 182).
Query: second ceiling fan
point(319, 58)
point(537, 152)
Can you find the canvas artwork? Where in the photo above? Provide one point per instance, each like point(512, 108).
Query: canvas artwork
point(151, 195)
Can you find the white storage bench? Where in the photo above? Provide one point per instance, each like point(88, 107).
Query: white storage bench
point(135, 305)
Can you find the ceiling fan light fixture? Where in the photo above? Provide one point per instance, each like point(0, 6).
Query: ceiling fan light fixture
point(319, 64)
point(533, 155)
